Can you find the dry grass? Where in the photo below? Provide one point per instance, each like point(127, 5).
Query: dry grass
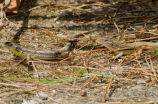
point(88, 74)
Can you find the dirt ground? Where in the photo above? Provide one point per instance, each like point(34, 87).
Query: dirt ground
point(88, 75)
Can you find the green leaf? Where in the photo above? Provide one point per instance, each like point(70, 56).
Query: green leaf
point(90, 75)
point(146, 51)
point(128, 58)
point(156, 53)
point(81, 72)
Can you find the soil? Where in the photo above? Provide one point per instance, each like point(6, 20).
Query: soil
point(51, 24)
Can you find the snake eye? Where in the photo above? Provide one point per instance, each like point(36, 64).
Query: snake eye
point(9, 44)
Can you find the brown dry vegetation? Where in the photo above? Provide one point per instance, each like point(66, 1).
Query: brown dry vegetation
point(51, 24)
